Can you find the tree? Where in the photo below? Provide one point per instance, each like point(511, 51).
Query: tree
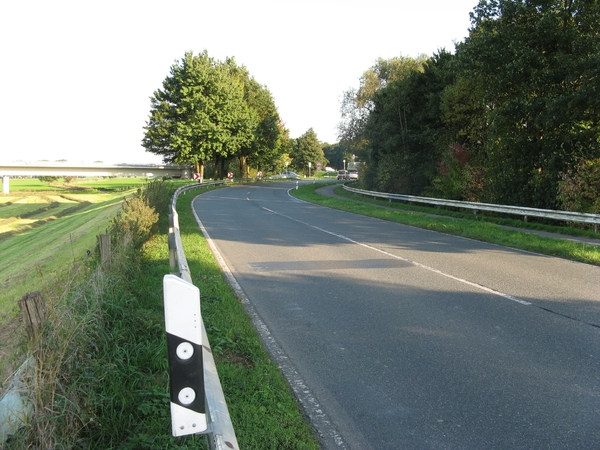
point(336, 154)
point(265, 146)
point(404, 126)
point(199, 114)
point(536, 64)
point(307, 149)
point(579, 188)
point(358, 104)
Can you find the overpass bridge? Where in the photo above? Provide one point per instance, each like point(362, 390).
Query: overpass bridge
point(89, 170)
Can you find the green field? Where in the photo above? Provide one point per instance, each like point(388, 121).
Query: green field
point(45, 228)
point(102, 183)
point(31, 184)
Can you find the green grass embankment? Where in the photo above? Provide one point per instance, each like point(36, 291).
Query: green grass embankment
point(37, 249)
point(480, 227)
point(133, 370)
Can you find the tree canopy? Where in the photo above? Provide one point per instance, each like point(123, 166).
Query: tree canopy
point(209, 110)
point(502, 119)
point(307, 149)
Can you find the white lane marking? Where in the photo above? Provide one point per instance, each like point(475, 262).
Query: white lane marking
point(418, 264)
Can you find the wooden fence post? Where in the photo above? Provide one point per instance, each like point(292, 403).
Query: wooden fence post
point(104, 248)
point(33, 310)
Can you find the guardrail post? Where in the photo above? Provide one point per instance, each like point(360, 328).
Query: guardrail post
point(217, 422)
point(172, 251)
point(183, 325)
point(172, 245)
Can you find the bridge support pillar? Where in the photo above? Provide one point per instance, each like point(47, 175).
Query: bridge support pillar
point(5, 188)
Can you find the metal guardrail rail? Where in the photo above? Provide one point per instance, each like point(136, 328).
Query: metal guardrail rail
point(220, 432)
point(567, 216)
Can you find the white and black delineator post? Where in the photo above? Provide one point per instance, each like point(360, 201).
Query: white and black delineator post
point(183, 324)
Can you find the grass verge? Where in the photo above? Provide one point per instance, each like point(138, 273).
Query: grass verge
point(101, 378)
point(482, 228)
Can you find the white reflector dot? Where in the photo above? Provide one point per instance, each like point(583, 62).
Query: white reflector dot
point(185, 350)
point(186, 396)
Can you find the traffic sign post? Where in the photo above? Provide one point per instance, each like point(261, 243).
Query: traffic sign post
point(183, 324)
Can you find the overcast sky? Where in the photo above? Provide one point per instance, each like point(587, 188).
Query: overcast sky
point(76, 76)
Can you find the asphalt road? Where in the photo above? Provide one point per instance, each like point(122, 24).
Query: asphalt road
point(395, 337)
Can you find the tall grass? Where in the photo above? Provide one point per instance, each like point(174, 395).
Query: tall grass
point(99, 365)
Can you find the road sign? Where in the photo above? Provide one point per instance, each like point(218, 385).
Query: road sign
point(196, 176)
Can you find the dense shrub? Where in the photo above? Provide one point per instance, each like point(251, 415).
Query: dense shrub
point(457, 177)
point(579, 187)
point(47, 179)
point(138, 220)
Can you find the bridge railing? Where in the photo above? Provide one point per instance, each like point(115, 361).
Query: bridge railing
point(220, 432)
point(567, 216)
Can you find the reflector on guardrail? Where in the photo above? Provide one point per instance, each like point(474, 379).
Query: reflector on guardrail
point(183, 324)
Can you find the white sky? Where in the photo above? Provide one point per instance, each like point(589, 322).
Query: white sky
point(76, 76)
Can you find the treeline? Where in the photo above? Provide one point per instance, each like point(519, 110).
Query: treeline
point(512, 117)
point(213, 114)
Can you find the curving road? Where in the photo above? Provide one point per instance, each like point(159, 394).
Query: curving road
point(400, 338)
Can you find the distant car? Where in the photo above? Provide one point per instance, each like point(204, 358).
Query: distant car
point(342, 175)
point(353, 174)
point(329, 169)
point(289, 175)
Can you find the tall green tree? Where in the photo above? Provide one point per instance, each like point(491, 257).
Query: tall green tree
point(307, 149)
point(404, 126)
point(336, 154)
point(266, 144)
point(536, 64)
point(358, 104)
point(200, 113)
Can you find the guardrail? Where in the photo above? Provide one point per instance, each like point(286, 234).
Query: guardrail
point(220, 432)
point(567, 216)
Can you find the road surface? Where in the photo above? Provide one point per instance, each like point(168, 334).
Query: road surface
point(395, 337)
